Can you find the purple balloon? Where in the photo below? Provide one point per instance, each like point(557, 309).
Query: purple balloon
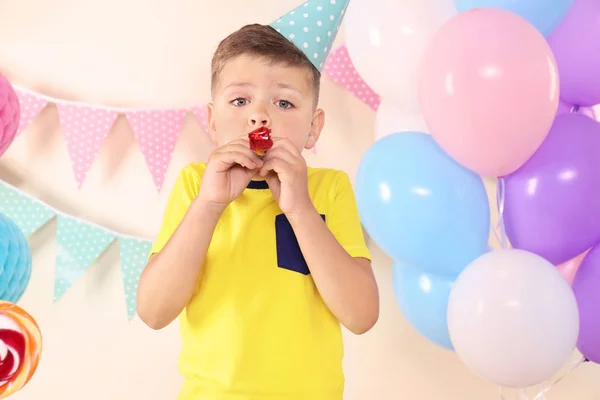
point(565, 108)
point(576, 48)
point(552, 203)
point(586, 286)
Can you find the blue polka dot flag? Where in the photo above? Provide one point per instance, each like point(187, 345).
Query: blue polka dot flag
point(28, 214)
point(133, 253)
point(79, 244)
point(312, 27)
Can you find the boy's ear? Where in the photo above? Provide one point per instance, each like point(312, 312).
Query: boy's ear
point(212, 129)
point(316, 126)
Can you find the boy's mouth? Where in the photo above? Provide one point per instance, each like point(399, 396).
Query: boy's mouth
point(260, 140)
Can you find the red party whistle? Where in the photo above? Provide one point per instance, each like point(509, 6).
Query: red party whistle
point(260, 140)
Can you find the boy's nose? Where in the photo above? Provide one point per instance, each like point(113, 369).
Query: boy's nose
point(259, 118)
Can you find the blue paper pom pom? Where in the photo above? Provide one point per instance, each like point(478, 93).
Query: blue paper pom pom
point(15, 261)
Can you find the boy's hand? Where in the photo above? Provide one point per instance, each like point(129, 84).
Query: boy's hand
point(285, 171)
point(229, 170)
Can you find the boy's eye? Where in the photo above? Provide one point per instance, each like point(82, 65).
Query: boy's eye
point(284, 104)
point(239, 102)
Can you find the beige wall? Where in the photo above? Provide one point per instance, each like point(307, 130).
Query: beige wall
point(141, 53)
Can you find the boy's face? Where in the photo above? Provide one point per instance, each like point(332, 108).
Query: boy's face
point(251, 92)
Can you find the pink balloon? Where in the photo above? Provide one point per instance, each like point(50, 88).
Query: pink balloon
point(489, 90)
point(569, 268)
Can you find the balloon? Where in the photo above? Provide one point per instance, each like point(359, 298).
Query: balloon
point(488, 102)
point(386, 41)
point(544, 15)
point(512, 318)
point(569, 269)
point(420, 206)
point(392, 119)
point(552, 203)
point(15, 261)
point(10, 114)
point(564, 108)
point(585, 286)
point(423, 299)
point(577, 53)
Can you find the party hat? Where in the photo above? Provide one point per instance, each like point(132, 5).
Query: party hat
point(312, 27)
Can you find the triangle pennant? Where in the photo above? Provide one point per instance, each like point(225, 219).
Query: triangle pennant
point(340, 68)
point(30, 105)
point(28, 214)
point(79, 244)
point(133, 254)
point(156, 132)
point(201, 114)
point(85, 129)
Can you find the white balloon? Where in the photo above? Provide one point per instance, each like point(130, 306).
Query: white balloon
point(512, 318)
point(386, 41)
point(391, 118)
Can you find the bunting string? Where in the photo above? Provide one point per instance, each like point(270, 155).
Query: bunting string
point(79, 242)
point(85, 126)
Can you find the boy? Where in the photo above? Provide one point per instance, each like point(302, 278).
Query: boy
point(262, 258)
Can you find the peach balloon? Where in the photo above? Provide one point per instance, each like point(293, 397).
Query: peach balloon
point(568, 269)
point(489, 90)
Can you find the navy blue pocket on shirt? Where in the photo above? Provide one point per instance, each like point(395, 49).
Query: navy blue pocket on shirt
point(289, 255)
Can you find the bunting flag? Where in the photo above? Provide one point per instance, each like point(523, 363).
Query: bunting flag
point(85, 129)
point(342, 71)
point(79, 243)
point(201, 114)
point(26, 213)
point(133, 254)
point(31, 105)
point(157, 133)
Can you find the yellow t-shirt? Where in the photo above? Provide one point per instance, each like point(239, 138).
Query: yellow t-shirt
point(256, 327)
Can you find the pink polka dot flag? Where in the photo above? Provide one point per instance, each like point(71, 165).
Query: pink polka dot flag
point(340, 68)
point(201, 114)
point(85, 129)
point(157, 132)
point(30, 105)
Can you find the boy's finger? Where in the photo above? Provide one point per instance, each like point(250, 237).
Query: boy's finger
point(287, 144)
point(274, 164)
point(234, 157)
point(282, 153)
point(240, 148)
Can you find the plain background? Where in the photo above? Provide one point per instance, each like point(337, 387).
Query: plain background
point(156, 53)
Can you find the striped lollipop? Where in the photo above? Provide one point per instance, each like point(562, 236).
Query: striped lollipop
point(20, 348)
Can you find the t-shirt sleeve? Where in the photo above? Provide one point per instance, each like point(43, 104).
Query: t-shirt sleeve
point(185, 189)
point(345, 220)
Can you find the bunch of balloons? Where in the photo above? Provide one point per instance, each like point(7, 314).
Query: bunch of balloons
point(474, 90)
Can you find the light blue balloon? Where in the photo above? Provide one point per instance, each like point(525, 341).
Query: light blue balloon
point(423, 300)
point(15, 261)
point(544, 15)
point(420, 206)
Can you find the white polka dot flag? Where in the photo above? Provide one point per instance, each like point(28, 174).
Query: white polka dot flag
point(85, 129)
point(340, 68)
point(78, 245)
point(157, 132)
point(133, 254)
point(30, 105)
